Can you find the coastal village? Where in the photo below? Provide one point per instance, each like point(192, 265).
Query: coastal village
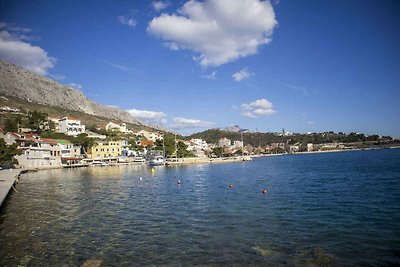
point(115, 143)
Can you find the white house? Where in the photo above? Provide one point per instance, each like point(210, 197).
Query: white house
point(224, 142)
point(150, 135)
point(199, 144)
point(70, 126)
point(238, 144)
point(69, 150)
point(111, 126)
point(44, 153)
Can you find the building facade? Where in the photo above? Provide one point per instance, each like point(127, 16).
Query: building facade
point(70, 126)
point(110, 149)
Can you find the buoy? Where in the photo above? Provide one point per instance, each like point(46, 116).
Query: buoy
point(140, 178)
point(231, 186)
point(152, 171)
point(264, 191)
point(179, 182)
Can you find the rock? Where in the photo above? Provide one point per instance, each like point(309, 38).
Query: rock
point(264, 251)
point(24, 261)
point(314, 257)
point(19, 83)
point(93, 263)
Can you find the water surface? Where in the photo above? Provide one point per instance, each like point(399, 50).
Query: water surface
point(338, 209)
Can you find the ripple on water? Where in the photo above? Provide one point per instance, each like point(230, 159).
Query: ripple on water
point(321, 210)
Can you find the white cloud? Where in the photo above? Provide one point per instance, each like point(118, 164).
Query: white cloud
point(211, 76)
point(242, 75)
point(117, 66)
point(76, 85)
point(24, 54)
point(180, 122)
point(258, 108)
point(113, 106)
point(310, 122)
point(160, 5)
point(128, 20)
point(219, 31)
point(57, 77)
point(147, 115)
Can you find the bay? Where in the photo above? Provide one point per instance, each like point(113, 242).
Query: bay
point(328, 209)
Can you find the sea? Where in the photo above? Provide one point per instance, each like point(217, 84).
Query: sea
point(326, 209)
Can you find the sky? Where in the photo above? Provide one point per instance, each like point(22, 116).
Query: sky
point(305, 66)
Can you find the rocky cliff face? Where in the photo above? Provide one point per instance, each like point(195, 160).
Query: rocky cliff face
point(19, 83)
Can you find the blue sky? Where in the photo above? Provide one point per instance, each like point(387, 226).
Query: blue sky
point(190, 65)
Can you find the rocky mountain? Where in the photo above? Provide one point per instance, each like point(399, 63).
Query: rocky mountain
point(19, 83)
point(234, 129)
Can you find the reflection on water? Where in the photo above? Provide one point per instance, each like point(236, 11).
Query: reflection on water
point(321, 210)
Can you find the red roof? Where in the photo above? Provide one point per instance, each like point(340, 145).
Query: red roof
point(47, 140)
point(146, 143)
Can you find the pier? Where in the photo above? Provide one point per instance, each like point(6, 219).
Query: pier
point(7, 181)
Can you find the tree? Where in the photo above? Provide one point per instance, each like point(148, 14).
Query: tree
point(85, 142)
point(182, 150)
point(36, 120)
point(218, 151)
point(169, 144)
point(11, 125)
point(7, 153)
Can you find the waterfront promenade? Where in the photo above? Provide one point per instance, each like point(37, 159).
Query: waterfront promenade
point(7, 180)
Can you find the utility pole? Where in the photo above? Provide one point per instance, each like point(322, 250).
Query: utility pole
point(241, 134)
point(163, 145)
point(176, 150)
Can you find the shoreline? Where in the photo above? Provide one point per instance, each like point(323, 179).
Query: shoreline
point(206, 160)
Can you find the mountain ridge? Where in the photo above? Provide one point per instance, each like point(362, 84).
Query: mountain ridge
point(20, 83)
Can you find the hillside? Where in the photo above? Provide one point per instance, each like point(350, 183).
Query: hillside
point(21, 84)
point(262, 139)
point(22, 107)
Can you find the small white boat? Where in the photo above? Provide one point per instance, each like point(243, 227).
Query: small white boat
point(157, 161)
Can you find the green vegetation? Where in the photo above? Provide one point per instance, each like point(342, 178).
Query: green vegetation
point(218, 151)
point(264, 139)
point(7, 153)
point(34, 120)
point(25, 107)
point(85, 142)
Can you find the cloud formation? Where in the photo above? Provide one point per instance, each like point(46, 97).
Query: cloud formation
point(147, 115)
point(211, 76)
point(14, 49)
point(128, 20)
point(160, 5)
point(242, 75)
point(76, 85)
point(117, 66)
point(212, 29)
point(57, 77)
point(258, 108)
point(180, 122)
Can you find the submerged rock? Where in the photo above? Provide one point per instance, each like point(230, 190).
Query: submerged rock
point(24, 261)
point(93, 263)
point(314, 257)
point(264, 251)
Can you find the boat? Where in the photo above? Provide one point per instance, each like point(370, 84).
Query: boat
point(157, 161)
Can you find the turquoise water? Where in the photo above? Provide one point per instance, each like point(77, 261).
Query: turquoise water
point(330, 209)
